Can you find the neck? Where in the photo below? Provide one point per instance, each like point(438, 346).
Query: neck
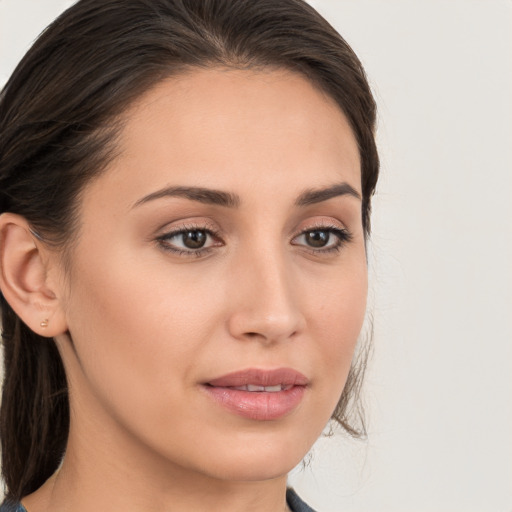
point(120, 474)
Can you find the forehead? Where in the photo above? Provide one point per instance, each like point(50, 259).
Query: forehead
point(236, 129)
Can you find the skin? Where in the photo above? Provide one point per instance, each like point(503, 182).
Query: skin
point(149, 326)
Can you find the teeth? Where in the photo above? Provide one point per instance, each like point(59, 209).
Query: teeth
point(273, 388)
point(253, 387)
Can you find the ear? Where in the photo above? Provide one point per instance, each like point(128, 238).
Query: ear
point(25, 281)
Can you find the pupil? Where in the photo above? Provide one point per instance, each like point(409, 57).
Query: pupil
point(194, 239)
point(317, 238)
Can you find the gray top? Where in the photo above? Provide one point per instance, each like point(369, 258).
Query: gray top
point(293, 500)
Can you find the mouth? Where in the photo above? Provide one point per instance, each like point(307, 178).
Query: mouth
point(261, 395)
point(258, 389)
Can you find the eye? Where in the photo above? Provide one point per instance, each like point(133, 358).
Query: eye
point(323, 239)
point(189, 241)
point(193, 239)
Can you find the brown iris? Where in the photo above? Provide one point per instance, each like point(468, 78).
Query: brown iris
point(194, 239)
point(317, 238)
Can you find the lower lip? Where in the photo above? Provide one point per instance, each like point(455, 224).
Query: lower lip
point(257, 405)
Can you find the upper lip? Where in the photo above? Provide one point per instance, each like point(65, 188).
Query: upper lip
point(261, 377)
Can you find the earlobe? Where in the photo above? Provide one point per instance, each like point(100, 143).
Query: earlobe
point(24, 278)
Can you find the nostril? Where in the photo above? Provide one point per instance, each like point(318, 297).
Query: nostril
point(254, 335)
point(265, 322)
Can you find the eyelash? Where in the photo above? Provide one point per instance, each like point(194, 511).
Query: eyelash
point(342, 235)
point(163, 241)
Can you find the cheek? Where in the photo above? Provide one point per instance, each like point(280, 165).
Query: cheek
point(337, 315)
point(137, 333)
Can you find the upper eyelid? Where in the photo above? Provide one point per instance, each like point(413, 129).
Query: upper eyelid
point(182, 230)
point(168, 228)
point(346, 234)
point(210, 229)
point(210, 226)
point(323, 224)
point(215, 235)
point(161, 239)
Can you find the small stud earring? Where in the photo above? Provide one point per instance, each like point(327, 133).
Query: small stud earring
point(44, 323)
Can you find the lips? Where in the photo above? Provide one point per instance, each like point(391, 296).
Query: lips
point(281, 376)
point(259, 394)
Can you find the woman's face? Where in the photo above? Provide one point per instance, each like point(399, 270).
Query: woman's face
point(218, 284)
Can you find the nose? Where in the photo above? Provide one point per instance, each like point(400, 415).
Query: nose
point(265, 300)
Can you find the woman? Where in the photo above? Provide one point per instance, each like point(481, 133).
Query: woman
point(185, 194)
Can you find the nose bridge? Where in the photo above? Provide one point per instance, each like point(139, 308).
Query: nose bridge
point(266, 306)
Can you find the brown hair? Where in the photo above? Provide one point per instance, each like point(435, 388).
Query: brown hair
point(58, 117)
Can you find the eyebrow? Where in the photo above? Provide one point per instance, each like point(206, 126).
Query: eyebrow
point(231, 200)
point(200, 194)
point(314, 196)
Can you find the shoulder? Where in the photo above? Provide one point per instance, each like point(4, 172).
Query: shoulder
point(11, 506)
point(294, 502)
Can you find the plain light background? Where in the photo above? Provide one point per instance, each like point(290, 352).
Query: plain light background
point(439, 387)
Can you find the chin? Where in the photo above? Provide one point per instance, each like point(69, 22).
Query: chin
point(256, 469)
point(263, 459)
